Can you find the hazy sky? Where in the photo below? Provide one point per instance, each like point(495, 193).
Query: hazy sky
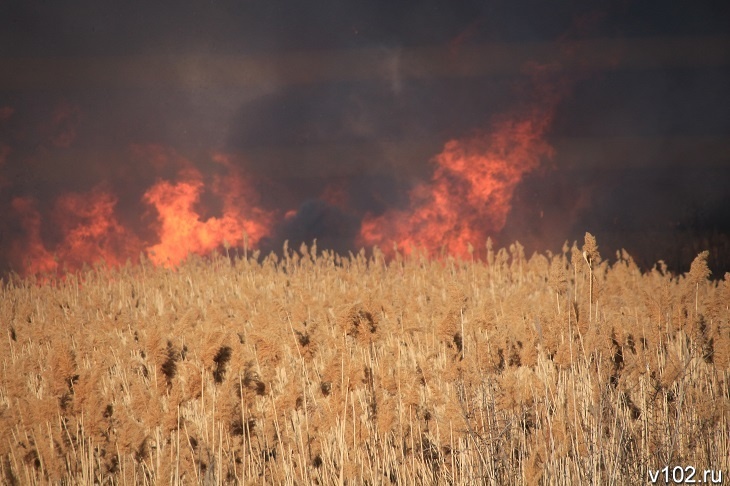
point(361, 96)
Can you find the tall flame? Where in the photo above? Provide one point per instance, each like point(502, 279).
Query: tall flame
point(181, 231)
point(91, 230)
point(31, 253)
point(470, 193)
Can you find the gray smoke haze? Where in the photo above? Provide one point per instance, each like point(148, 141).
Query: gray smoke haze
point(335, 110)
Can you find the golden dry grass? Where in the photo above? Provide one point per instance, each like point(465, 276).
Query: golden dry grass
point(315, 368)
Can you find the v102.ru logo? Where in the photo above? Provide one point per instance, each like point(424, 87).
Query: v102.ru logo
point(684, 475)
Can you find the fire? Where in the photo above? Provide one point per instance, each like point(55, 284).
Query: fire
point(32, 254)
point(92, 232)
point(469, 195)
point(88, 231)
point(181, 230)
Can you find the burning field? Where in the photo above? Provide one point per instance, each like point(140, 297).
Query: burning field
point(90, 231)
point(198, 207)
point(277, 243)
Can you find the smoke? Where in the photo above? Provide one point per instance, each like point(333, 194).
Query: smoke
point(332, 227)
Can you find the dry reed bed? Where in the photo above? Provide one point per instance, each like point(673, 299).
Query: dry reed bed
point(557, 369)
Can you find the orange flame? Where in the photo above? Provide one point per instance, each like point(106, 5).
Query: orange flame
point(32, 254)
point(181, 230)
point(470, 193)
point(90, 232)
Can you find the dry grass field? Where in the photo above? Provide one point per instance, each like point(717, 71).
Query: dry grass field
point(321, 369)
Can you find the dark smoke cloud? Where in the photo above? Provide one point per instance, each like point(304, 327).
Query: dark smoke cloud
point(332, 227)
point(357, 97)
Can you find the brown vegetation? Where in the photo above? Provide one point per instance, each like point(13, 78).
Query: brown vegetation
point(315, 368)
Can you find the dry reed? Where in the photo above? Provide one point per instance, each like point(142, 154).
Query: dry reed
point(318, 368)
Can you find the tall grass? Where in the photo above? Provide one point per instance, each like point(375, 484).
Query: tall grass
point(318, 368)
